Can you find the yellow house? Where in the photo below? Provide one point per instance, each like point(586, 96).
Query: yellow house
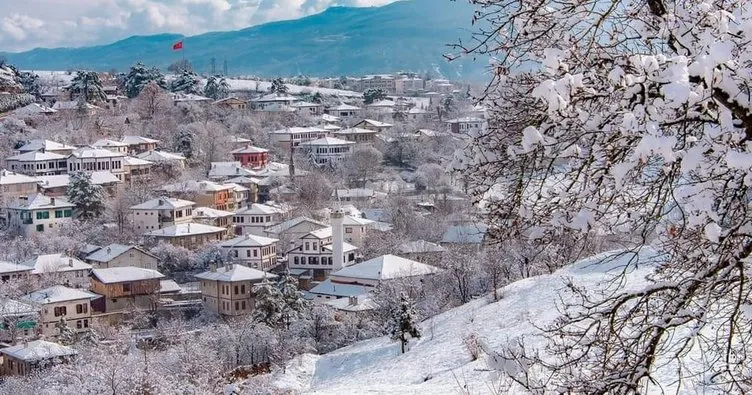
point(59, 302)
point(228, 290)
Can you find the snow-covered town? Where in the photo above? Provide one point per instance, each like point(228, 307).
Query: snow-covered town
point(574, 218)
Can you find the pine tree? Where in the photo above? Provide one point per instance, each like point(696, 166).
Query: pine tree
point(88, 85)
point(278, 86)
point(317, 98)
point(373, 95)
point(66, 335)
point(186, 82)
point(448, 104)
point(269, 304)
point(403, 324)
point(88, 197)
point(293, 305)
point(216, 88)
point(30, 82)
point(184, 142)
point(139, 76)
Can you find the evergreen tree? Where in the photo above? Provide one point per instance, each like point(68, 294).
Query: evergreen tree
point(139, 76)
point(30, 82)
point(216, 88)
point(403, 324)
point(373, 95)
point(88, 85)
point(186, 82)
point(269, 305)
point(278, 86)
point(66, 335)
point(317, 98)
point(293, 306)
point(448, 104)
point(184, 142)
point(88, 197)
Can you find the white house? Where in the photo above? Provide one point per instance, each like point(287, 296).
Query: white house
point(314, 252)
point(60, 302)
point(37, 213)
point(293, 137)
point(42, 145)
point(361, 278)
point(273, 100)
point(168, 158)
point(355, 229)
point(327, 150)
point(253, 220)
point(466, 125)
point(112, 145)
point(90, 159)
point(257, 252)
point(344, 111)
point(305, 107)
point(161, 213)
point(374, 125)
point(38, 163)
point(139, 144)
point(59, 269)
point(26, 358)
point(293, 229)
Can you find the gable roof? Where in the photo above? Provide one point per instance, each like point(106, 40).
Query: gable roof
point(39, 201)
point(125, 274)
point(38, 350)
point(208, 212)
point(282, 227)
point(374, 123)
point(258, 208)
point(134, 140)
point(132, 161)
point(47, 145)
point(33, 109)
point(33, 156)
point(465, 234)
point(196, 186)
point(419, 246)
point(385, 267)
point(61, 180)
point(229, 169)
point(235, 273)
point(10, 267)
point(92, 152)
point(51, 263)
point(328, 141)
point(108, 143)
point(327, 287)
point(58, 293)
point(249, 149)
point(112, 251)
point(354, 131)
point(163, 203)
point(248, 241)
point(344, 107)
point(9, 178)
point(189, 229)
point(160, 156)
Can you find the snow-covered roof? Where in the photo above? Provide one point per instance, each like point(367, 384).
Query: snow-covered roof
point(38, 201)
point(238, 140)
point(305, 104)
point(329, 118)
point(243, 180)
point(327, 287)
point(385, 267)
point(382, 103)
point(260, 209)
point(465, 234)
point(58, 293)
point(416, 110)
point(135, 140)
point(419, 246)
point(235, 273)
point(10, 178)
point(9, 267)
point(229, 169)
point(52, 263)
point(299, 129)
point(280, 228)
point(363, 302)
point(160, 156)
point(344, 107)
point(323, 233)
point(92, 152)
point(325, 141)
point(36, 156)
point(466, 120)
point(376, 124)
point(15, 308)
point(189, 229)
point(355, 221)
point(248, 241)
point(163, 203)
point(196, 186)
point(377, 214)
point(354, 193)
point(131, 161)
point(61, 180)
point(208, 212)
point(104, 143)
point(33, 109)
point(275, 97)
point(249, 149)
point(38, 350)
point(189, 97)
point(230, 99)
point(346, 247)
point(112, 251)
point(169, 286)
point(354, 131)
point(330, 127)
point(125, 274)
point(73, 105)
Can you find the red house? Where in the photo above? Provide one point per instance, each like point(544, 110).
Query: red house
point(250, 156)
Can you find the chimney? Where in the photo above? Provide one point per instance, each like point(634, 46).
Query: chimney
point(229, 266)
point(337, 218)
point(70, 262)
point(160, 202)
point(353, 300)
point(109, 250)
point(212, 266)
point(189, 227)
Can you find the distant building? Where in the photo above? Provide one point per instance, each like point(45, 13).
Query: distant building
point(421, 251)
point(213, 217)
point(139, 144)
point(112, 145)
point(13, 272)
point(231, 103)
point(37, 213)
point(89, 159)
point(250, 156)
point(273, 100)
point(253, 220)
point(229, 290)
point(205, 193)
point(136, 169)
point(189, 235)
point(466, 125)
point(292, 230)
point(257, 252)
point(473, 235)
point(119, 255)
point(384, 82)
point(314, 252)
point(59, 269)
point(356, 135)
point(161, 157)
point(308, 108)
point(361, 195)
point(327, 150)
point(344, 111)
point(14, 185)
point(28, 357)
point(376, 126)
point(126, 288)
point(60, 302)
point(224, 170)
point(38, 163)
point(161, 213)
point(57, 186)
point(293, 137)
point(46, 146)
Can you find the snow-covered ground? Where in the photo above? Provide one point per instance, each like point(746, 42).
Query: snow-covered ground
point(439, 362)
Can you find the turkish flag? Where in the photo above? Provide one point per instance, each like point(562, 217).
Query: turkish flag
point(177, 46)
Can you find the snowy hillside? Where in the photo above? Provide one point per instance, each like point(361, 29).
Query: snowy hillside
point(439, 362)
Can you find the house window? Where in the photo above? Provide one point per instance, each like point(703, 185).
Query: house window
point(86, 323)
point(79, 324)
point(255, 252)
point(237, 305)
point(242, 289)
point(297, 261)
point(348, 230)
point(40, 228)
point(58, 213)
point(235, 253)
point(236, 289)
point(43, 214)
point(307, 246)
point(60, 311)
point(126, 287)
point(68, 213)
point(81, 308)
point(248, 253)
point(242, 303)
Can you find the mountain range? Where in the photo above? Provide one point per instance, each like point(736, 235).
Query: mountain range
point(409, 35)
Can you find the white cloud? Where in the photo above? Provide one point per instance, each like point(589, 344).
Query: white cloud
point(54, 23)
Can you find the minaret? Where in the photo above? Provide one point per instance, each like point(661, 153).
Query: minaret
point(337, 218)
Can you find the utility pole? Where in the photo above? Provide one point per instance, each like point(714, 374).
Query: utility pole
point(214, 65)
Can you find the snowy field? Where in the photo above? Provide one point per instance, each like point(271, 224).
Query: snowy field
point(439, 363)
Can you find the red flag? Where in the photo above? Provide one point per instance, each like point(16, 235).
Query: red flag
point(177, 46)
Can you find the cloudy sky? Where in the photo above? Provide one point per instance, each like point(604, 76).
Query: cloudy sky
point(26, 24)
